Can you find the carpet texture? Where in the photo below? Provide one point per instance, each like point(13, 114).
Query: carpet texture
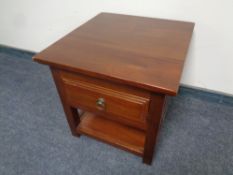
point(196, 136)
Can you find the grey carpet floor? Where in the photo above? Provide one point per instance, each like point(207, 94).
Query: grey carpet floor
point(196, 136)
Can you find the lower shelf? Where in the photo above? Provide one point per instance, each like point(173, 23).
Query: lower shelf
point(116, 134)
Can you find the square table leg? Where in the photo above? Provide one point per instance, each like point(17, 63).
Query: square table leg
point(156, 113)
point(72, 114)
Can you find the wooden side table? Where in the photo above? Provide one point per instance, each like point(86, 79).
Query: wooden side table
point(119, 69)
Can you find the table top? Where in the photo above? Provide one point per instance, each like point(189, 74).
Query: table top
point(144, 52)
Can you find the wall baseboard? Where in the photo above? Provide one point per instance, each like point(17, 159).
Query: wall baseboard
point(206, 90)
point(206, 94)
point(10, 48)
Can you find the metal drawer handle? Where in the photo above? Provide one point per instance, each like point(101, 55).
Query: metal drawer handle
point(100, 103)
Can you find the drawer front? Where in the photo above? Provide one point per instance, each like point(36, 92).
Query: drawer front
point(116, 101)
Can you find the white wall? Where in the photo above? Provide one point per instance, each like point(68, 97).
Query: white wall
point(35, 24)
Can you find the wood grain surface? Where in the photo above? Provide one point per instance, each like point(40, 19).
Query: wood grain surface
point(144, 52)
point(118, 135)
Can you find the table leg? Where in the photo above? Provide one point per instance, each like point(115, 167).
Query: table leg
point(154, 118)
point(72, 114)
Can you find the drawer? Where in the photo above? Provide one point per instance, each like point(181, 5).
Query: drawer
point(115, 101)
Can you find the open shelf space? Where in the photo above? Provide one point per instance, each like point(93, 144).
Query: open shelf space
point(111, 132)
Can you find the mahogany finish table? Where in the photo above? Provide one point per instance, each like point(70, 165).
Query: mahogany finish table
point(119, 69)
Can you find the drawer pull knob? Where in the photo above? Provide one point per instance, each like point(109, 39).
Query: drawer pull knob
point(100, 103)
